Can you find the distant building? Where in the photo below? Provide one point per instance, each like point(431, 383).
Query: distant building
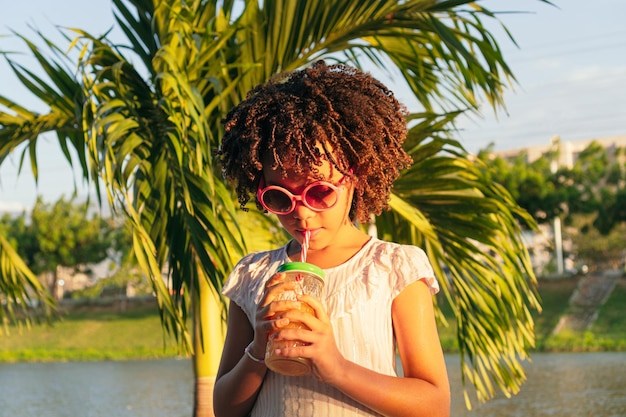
point(568, 150)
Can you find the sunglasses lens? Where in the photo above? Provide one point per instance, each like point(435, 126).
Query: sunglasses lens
point(277, 201)
point(318, 196)
point(321, 197)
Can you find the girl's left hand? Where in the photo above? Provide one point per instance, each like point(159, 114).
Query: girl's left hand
point(321, 347)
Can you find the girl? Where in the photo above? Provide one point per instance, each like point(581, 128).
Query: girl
point(320, 148)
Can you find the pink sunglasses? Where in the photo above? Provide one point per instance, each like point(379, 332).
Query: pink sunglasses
point(317, 196)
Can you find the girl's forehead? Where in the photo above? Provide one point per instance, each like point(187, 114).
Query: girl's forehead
point(292, 174)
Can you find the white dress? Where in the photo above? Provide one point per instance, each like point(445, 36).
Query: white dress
point(357, 295)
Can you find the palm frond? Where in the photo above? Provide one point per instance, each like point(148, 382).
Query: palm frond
point(17, 304)
point(470, 228)
point(61, 92)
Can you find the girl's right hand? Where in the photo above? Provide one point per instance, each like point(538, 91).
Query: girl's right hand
point(268, 318)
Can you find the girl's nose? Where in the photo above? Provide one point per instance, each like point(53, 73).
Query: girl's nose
point(302, 212)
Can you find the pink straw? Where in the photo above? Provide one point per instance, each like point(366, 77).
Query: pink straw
point(304, 247)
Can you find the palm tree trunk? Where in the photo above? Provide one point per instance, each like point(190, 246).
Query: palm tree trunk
point(208, 341)
point(203, 397)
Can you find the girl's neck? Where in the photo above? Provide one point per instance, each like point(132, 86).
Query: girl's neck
point(332, 255)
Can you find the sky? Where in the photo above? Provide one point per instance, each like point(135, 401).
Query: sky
point(569, 64)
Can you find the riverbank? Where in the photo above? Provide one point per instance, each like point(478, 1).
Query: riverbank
point(122, 330)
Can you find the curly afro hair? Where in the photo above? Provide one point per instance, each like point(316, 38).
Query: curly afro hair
point(332, 112)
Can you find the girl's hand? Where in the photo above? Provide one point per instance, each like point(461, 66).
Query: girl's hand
point(268, 318)
point(320, 346)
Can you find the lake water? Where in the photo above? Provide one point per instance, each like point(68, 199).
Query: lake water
point(559, 385)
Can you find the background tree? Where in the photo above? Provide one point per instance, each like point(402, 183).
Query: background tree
point(529, 182)
point(144, 118)
point(594, 249)
point(60, 234)
point(589, 196)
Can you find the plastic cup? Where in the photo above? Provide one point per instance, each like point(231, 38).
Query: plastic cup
point(309, 280)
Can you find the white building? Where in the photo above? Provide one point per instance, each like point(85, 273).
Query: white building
point(568, 150)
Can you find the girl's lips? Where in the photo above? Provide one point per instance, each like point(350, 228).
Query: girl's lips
point(302, 232)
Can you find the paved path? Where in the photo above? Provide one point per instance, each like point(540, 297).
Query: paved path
point(592, 291)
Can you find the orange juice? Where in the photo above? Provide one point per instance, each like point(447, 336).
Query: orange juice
point(309, 280)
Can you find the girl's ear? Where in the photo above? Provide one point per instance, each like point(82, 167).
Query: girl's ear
point(353, 196)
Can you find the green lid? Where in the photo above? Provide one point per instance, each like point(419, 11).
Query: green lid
point(301, 267)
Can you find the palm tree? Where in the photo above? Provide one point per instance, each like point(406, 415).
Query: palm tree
point(144, 120)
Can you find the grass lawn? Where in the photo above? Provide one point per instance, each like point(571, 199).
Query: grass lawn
point(136, 333)
point(607, 334)
point(84, 335)
point(554, 296)
point(611, 321)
